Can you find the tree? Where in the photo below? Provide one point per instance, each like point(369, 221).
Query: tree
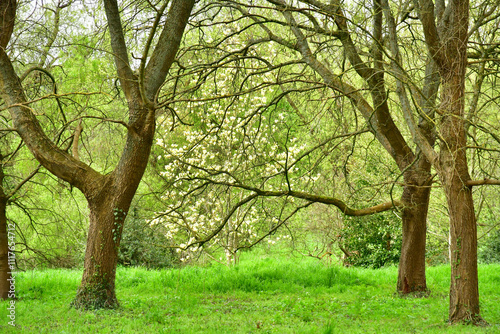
point(446, 32)
point(247, 138)
point(108, 195)
point(306, 29)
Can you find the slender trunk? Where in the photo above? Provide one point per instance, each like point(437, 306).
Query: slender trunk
point(454, 174)
point(4, 250)
point(416, 193)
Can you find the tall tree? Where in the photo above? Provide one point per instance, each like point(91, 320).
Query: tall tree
point(308, 31)
point(109, 196)
point(447, 44)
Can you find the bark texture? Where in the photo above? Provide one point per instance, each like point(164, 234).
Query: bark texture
point(4, 243)
point(411, 271)
point(464, 292)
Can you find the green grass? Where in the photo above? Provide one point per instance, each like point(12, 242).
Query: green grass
point(261, 295)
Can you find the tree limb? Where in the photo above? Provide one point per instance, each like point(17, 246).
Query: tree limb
point(167, 46)
point(472, 183)
point(318, 199)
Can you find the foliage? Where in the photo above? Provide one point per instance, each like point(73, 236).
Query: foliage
point(372, 241)
point(489, 249)
point(146, 246)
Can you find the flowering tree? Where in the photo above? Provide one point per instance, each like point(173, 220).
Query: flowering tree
point(256, 141)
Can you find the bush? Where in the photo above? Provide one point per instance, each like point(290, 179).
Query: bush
point(489, 249)
point(141, 245)
point(372, 241)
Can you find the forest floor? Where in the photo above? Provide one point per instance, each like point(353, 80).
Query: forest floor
point(263, 294)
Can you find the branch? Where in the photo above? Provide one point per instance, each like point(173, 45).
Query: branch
point(40, 69)
point(420, 139)
point(472, 183)
point(23, 182)
point(226, 219)
point(57, 161)
point(7, 18)
point(167, 46)
point(378, 117)
point(425, 9)
point(318, 199)
point(127, 78)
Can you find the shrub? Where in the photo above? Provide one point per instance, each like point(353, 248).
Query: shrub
point(489, 249)
point(142, 245)
point(372, 241)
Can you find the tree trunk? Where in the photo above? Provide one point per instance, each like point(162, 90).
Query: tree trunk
point(97, 289)
point(4, 249)
point(107, 215)
point(109, 196)
point(454, 174)
point(411, 273)
point(464, 293)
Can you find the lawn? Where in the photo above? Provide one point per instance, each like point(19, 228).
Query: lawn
point(278, 294)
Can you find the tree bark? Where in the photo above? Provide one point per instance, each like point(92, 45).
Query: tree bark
point(464, 292)
point(411, 271)
point(415, 199)
point(448, 47)
point(97, 289)
point(4, 243)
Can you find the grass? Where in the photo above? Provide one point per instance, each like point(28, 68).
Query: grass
point(261, 295)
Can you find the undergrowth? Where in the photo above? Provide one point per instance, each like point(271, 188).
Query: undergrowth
point(260, 295)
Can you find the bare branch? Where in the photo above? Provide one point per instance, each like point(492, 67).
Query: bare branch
point(23, 182)
point(318, 199)
point(167, 46)
point(472, 183)
point(127, 78)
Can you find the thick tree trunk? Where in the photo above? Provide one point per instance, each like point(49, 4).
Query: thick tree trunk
point(107, 215)
point(447, 44)
point(411, 273)
point(108, 196)
point(464, 292)
point(97, 289)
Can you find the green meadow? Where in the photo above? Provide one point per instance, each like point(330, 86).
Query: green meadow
point(263, 294)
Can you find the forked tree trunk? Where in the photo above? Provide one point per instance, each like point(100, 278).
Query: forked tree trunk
point(109, 196)
point(108, 208)
point(411, 272)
